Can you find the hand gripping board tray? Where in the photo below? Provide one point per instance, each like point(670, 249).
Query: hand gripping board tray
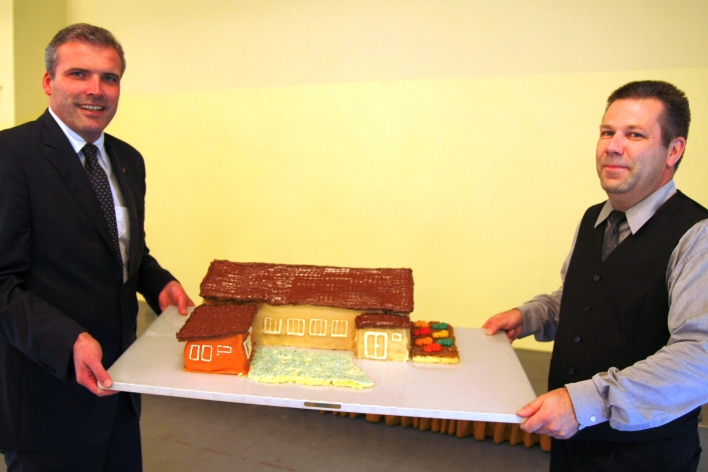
point(488, 384)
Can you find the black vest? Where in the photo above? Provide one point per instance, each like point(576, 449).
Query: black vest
point(615, 313)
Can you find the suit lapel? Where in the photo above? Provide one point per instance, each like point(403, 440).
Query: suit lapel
point(62, 156)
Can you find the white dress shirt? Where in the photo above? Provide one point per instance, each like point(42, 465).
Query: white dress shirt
point(122, 217)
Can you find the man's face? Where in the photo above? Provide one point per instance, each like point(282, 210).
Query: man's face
point(85, 89)
point(631, 160)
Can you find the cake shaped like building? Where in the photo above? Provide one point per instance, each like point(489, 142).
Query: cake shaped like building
point(366, 311)
point(218, 339)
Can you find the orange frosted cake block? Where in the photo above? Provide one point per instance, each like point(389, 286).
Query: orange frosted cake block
point(218, 339)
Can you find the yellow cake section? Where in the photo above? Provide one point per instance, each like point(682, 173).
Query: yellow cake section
point(383, 344)
point(305, 326)
point(430, 359)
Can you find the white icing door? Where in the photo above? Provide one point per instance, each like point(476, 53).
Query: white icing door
point(375, 345)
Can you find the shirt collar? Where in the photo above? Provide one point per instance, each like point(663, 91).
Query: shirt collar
point(77, 142)
point(642, 211)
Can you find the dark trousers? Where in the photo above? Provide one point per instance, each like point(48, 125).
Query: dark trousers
point(678, 453)
point(122, 451)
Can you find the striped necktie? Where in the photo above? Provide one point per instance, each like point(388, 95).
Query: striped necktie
point(99, 181)
point(612, 235)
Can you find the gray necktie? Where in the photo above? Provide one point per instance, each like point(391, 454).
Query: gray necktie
point(612, 235)
point(99, 181)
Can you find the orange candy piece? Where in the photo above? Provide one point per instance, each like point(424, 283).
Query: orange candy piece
point(423, 341)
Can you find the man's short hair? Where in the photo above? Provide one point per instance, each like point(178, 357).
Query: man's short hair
point(81, 33)
point(676, 117)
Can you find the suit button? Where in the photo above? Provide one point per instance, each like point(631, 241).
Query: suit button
point(571, 371)
point(576, 339)
point(586, 308)
point(596, 278)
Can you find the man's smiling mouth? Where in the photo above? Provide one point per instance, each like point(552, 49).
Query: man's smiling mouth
point(92, 107)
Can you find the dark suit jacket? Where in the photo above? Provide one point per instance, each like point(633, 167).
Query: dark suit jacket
point(58, 278)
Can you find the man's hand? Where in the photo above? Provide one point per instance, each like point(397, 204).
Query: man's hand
point(88, 367)
point(174, 294)
point(552, 413)
point(509, 321)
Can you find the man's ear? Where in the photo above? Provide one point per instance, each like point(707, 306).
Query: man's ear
point(47, 83)
point(675, 151)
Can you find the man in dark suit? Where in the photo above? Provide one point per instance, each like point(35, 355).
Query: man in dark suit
point(70, 270)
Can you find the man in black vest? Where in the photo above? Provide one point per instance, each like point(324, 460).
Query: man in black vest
point(630, 322)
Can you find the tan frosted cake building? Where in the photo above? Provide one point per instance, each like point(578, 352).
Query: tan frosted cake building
point(366, 311)
point(383, 337)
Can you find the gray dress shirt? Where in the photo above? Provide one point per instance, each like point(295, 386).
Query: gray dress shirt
point(671, 382)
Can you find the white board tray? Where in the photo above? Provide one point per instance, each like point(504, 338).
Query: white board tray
point(488, 384)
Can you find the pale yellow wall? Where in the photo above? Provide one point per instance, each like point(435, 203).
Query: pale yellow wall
point(471, 182)
point(36, 22)
point(453, 137)
point(7, 81)
point(183, 45)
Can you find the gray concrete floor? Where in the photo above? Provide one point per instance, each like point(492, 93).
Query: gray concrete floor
point(188, 435)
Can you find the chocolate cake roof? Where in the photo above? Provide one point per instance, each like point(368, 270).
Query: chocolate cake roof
point(208, 322)
point(377, 320)
point(388, 290)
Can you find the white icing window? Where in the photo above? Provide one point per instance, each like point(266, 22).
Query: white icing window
point(221, 349)
point(272, 326)
point(318, 327)
point(375, 345)
point(202, 352)
point(207, 353)
point(194, 352)
point(396, 337)
point(248, 347)
point(339, 328)
point(296, 327)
